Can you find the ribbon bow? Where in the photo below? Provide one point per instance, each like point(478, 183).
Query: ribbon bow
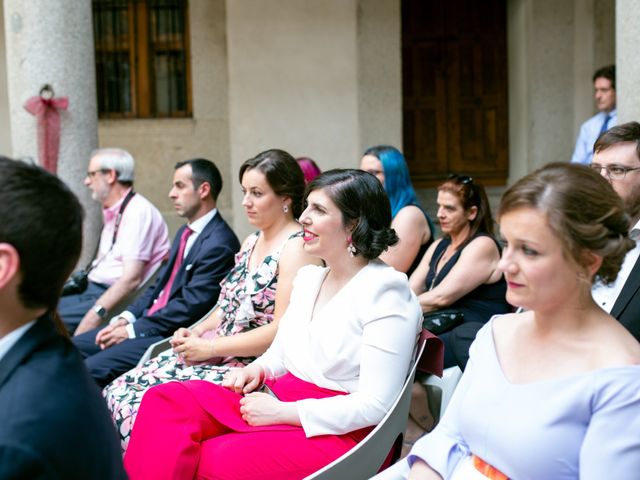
point(46, 110)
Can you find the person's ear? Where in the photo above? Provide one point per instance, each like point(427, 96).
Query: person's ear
point(591, 263)
point(473, 213)
point(204, 190)
point(286, 202)
point(112, 176)
point(9, 264)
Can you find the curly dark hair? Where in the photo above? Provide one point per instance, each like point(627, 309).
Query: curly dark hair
point(364, 204)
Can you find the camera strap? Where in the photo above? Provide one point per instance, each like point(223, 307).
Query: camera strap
point(90, 266)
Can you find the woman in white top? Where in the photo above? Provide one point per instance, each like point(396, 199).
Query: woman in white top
point(337, 363)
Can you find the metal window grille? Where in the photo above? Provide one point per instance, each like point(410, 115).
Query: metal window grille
point(141, 49)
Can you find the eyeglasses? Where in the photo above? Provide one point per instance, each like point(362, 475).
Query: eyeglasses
point(614, 172)
point(462, 179)
point(93, 173)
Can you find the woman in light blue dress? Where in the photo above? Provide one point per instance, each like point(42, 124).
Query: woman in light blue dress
point(554, 392)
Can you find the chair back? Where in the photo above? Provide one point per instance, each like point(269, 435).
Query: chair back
point(365, 459)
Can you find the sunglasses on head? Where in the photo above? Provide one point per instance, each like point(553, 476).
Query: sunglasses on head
point(462, 179)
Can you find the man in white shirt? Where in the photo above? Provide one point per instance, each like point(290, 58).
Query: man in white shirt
point(54, 422)
point(133, 243)
point(604, 85)
point(617, 158)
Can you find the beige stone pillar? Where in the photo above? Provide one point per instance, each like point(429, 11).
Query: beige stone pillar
point(293, 82)
point(379, 37)
point(51, 41)
point(5, 124)
point(627, 66)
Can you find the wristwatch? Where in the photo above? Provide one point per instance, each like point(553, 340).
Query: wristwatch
point(100, 311)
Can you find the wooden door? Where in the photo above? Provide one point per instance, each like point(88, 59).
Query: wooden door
point(454, 61)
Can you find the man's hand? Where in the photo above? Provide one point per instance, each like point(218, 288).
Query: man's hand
point(90, 321)
point(112, 334)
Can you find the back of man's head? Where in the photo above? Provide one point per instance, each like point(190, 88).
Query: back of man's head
point(608, 72)
point(42, 219)
point(203, 170)
point(118, 160)
point(626, 133)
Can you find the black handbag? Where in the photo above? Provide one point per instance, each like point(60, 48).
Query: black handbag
point(442, 320)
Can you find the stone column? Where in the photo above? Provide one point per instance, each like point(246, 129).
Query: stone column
point(51, 41)
point(627, 67)
point(293, 83)
point(379, 38)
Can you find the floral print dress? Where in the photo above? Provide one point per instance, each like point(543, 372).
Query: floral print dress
point(247, 301)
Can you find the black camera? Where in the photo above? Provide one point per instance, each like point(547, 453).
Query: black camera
point(77, 283)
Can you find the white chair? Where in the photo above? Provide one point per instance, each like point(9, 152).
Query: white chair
point(365, 459)
point(440, 390)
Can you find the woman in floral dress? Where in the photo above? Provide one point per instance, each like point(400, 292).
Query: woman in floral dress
point(253, 296)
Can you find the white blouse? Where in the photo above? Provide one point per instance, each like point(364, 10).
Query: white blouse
point(361, 342)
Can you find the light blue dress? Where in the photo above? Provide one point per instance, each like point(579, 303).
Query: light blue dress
point(583, 426)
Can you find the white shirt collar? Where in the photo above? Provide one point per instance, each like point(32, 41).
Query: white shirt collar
point(10, 339)
point(198, 225)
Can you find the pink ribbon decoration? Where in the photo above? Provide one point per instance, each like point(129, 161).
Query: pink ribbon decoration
point(46, 110)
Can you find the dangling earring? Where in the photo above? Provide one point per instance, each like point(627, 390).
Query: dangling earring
point(350, 248)
point(285, 208)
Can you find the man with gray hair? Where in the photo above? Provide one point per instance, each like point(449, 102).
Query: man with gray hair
point(133, 242)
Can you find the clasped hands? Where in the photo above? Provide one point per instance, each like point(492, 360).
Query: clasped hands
point(191, 347)
point(112, 334)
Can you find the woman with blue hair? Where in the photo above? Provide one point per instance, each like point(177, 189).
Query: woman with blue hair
point(410, 221)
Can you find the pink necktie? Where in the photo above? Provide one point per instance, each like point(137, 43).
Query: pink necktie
point(162, 299)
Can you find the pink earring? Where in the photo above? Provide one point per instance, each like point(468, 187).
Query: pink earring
point(351, 248)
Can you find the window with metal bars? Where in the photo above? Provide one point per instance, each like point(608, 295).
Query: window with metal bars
point(142, 52)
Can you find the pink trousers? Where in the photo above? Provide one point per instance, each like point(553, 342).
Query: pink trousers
point(194, 430)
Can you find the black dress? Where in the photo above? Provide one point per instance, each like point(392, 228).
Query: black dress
point(477, 306)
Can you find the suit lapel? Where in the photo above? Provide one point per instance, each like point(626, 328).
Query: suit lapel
point(193, 252)
point(630, 288)
point(41, 331)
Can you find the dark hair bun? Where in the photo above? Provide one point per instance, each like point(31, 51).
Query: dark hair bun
point(364, 204)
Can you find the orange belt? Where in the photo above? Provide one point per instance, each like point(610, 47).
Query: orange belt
point(487, 470)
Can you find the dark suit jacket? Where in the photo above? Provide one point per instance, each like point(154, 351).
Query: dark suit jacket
point(627, 306)
point(54, 423)
point(196, 286)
